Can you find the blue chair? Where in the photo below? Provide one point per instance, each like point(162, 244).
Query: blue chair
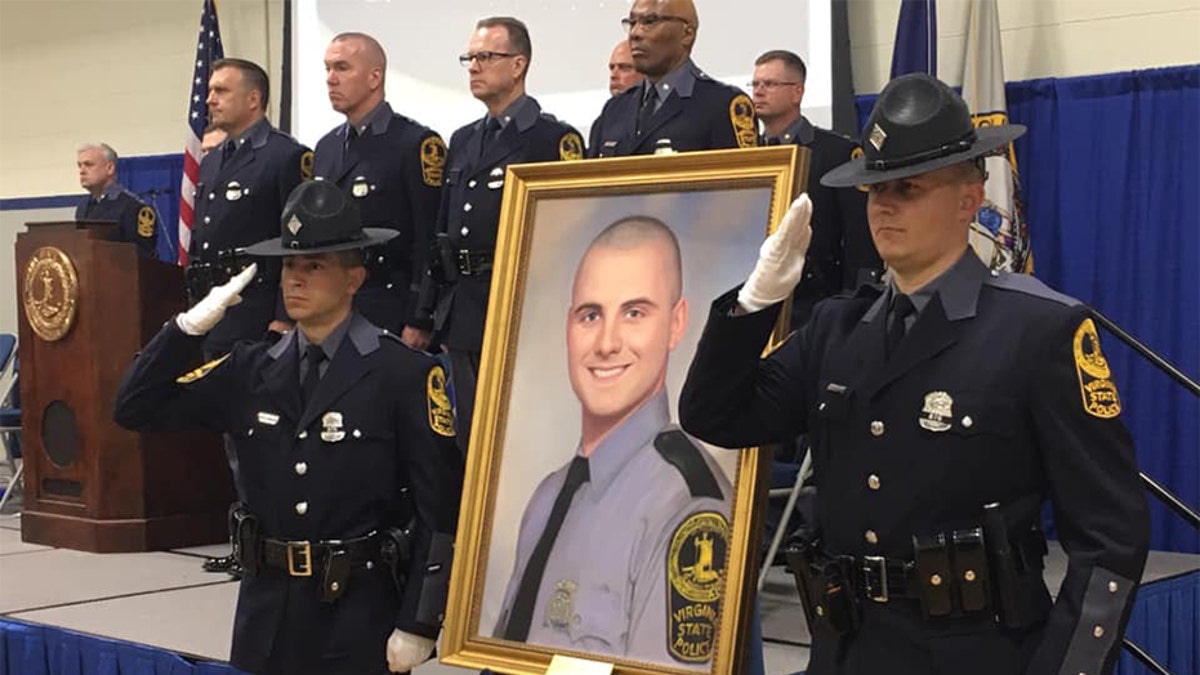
point(10, 412)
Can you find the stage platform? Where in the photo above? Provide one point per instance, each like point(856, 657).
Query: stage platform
point(163, 599)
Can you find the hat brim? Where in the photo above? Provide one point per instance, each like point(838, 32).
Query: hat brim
point(274, 248)
point(855, 172)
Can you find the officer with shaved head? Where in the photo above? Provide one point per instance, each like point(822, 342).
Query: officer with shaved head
point(677, 105)
point(391, 167)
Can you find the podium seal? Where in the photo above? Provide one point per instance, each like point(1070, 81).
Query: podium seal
point(51, 293)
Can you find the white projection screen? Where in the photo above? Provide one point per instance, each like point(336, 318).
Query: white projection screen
point(571, 45)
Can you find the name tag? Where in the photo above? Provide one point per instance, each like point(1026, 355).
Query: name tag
point(269, 419)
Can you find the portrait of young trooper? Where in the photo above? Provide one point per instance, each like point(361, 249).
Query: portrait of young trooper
point(945, 408)
point(345, 437)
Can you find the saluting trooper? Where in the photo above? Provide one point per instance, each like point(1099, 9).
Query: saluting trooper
point(346, 441)
point(945, 408)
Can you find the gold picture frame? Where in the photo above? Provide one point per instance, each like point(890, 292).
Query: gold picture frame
point(720, 205)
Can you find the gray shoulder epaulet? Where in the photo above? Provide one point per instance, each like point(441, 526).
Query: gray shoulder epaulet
point(678, 450)
point(1029, 285)
point(548, 116)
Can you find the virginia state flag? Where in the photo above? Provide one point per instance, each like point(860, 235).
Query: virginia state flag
point(999, 234)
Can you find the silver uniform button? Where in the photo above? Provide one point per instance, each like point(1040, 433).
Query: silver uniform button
point(251, 432)
point(1098, 632)
point(821, 407)
point(301, 468)
point(465, 231)
point(207, 220)
point(1112, 587)
point(877, 428)
point(301, 508)
point(356, 433)
point(472, 183)
point(967, 422)
point(302, 435)
point(204, 246)
point(871, 537)
point(873, 482)
point(467, 206)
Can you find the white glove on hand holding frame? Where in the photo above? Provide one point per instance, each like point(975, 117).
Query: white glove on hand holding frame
point(406, 651)
point(201, 318)
point(780, 259)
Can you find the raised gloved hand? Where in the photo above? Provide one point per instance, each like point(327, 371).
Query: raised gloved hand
point(406, 651)
point(201, 318)
point(780, 259)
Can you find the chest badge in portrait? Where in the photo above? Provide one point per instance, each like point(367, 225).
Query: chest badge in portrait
point(938, 411)
point(360, 188)
point(332, 430)
point(233, 191)
point(560, 611)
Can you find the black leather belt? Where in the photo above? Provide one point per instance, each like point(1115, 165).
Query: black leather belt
point(300, 558)
point(471, 263)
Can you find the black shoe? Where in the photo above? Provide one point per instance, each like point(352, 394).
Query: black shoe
point(223, 564)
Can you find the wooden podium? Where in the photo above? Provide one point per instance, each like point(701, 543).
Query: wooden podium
point(87, 304)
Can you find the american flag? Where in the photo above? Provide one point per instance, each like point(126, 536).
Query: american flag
point(208, 49)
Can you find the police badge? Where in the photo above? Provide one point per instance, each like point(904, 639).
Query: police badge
point(233, 191)
point(938, 411)
point(360, 188)
point(332, 430)
point(560, 611)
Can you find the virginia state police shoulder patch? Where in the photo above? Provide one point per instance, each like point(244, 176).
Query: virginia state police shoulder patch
point(696, 564)
point(441, 416)
point(1099, 393)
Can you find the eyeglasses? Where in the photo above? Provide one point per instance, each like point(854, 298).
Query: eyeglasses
point(483, 58)
point(648, 21)
point(768, 84)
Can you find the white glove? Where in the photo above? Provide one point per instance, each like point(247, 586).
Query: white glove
point(780, 259)
point(406, 651)
point(201, 318)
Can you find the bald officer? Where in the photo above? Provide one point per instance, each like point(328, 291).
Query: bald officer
point(677, 103)
point(623, 550)
point(391, 166)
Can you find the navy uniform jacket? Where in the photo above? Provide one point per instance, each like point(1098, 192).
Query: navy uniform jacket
point(627, 552)
point(138, 222)
point(392, 168)
point(999, 393)
point(306, 483)
point(842, 254)
point(696, 113)
point(238, 205)
point(470, 210)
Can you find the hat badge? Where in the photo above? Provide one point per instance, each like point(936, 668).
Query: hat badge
point(878, 137)
point(294, 225)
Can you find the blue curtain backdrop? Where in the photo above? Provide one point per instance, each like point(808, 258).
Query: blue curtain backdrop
point(1110, 172)
point(156, 179)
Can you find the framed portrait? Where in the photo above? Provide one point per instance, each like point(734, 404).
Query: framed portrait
point(592, 526)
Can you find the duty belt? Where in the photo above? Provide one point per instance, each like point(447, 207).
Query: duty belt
point(472, 263)
point(301, 558)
